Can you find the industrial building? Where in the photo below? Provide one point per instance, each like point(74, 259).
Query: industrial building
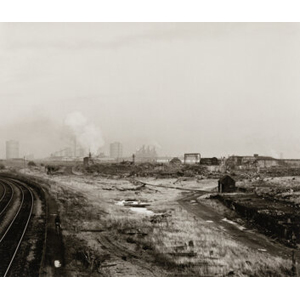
point(12, 149)
point(209, 161)
point(69, 153)
point(146, 154)
point(192, 158)
point(116, 150)
point(254, 162)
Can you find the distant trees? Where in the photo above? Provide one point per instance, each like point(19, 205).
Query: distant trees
point(2, 167)
point(31, 164)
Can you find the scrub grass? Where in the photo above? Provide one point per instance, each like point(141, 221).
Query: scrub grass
point(171, 239)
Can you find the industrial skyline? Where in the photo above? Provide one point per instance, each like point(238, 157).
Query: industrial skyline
point(215, 88)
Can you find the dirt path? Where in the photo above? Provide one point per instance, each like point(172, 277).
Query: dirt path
point(171, 187)
point(249, 238)
point(125, 262)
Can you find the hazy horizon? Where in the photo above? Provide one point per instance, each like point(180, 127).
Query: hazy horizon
point(214, 88)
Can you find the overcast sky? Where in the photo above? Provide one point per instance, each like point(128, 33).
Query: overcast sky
point(218, 89)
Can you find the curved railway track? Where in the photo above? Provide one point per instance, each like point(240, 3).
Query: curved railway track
point(3, 190)
point(20, 196)
point(7, 197)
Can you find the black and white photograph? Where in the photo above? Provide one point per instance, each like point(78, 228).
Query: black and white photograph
point(149, 149)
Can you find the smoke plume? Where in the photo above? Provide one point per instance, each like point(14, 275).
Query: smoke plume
point(87, 135)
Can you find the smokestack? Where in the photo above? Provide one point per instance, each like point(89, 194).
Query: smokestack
point(75, 146)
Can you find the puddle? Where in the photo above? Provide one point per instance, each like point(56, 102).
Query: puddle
point(140, 210)
point(209, 221)
point(233, 223)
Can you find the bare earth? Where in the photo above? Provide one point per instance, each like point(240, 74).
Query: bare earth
point(181, 233)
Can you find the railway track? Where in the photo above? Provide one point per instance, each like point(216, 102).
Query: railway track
point(12, 235)
point(3, 190)
point(7, 196)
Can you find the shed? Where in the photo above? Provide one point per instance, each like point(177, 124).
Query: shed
point(192, 158)
point(226, 184)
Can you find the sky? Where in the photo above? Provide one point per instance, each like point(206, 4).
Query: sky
point(214, 88)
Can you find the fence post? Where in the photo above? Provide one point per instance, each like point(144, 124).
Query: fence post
point(294, 264)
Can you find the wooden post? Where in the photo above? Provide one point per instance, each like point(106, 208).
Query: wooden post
point(294, 264)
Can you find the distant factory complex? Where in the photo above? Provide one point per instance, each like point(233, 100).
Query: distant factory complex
point(148, 154)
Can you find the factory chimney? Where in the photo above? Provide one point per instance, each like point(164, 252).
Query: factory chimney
point(75, 146)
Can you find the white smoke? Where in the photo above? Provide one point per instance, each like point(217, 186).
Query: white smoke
point(155, 144)
point(274, 154)
point(87, 135)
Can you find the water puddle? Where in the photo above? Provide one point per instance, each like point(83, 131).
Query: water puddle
point(140, 210)
point(233, 223)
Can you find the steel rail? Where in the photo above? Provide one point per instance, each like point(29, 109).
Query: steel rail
point(17, 184)
point(25, 228)
point(13, 220)
point(11, 197)
point(4, 191)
